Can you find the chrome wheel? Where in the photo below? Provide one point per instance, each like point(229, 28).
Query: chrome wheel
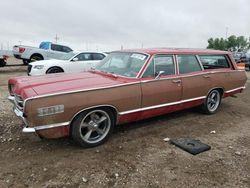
point(213, 100)
point(95, 126)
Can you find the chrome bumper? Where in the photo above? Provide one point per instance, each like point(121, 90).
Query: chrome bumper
point(27, 129)
point(19, 114)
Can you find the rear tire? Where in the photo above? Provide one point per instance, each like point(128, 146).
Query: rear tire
point(53, 70)
point(93, 127)
point(212, 102)
point(2, 62)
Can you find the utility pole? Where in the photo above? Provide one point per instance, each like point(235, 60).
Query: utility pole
point(56, 38)
point(20, 42)
point(227, 32)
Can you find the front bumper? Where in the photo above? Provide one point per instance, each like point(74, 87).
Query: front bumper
point(19, 114)
point(56, 130)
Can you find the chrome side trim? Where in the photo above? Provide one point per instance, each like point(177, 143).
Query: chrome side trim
point(28, 130)
point(42, 127)
point(119, 85)
point(77, 91)
point(161, 105)
point(184, 76)
point(232, 90)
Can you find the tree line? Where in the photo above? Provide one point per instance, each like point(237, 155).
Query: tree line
point(232, 43)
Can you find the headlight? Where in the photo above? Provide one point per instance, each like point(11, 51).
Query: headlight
point(38, 67)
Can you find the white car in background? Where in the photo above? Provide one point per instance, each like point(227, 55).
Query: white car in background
point(69, 63)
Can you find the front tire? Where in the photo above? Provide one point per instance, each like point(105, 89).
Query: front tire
point(212, 102)
point(93, 127)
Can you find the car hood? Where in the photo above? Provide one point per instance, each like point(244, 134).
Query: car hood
point(61, 82)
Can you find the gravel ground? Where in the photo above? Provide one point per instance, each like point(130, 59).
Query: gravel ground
point(136, 155)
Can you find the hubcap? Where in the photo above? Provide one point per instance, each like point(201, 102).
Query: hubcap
point(213, 101)
point(95, 126)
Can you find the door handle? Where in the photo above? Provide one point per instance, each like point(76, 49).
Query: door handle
point(206, 76)
point(176, 81)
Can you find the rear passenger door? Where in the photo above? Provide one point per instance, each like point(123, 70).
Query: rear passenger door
point(195, 82)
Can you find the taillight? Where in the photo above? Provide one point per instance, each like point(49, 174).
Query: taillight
point(21, 50)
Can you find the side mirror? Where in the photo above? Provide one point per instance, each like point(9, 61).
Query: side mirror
point(75, 59)
point(158, 75)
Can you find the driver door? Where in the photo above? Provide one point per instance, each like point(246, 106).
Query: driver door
point(159, 95)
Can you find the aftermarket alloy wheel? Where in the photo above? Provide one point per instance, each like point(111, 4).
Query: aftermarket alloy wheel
point(212, 102)
point(93, 127)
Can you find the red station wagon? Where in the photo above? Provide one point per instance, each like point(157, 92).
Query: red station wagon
point(126, 86)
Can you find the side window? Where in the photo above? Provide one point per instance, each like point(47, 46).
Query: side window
point(84, 57)
point(188, 64)
point(97, 56)
point(55, 47)
point(66, 49)
point(160, 63)
point(164, 63)
point(214, 61)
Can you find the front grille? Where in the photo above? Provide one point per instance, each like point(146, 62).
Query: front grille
point(19, 102)
point(29, 68)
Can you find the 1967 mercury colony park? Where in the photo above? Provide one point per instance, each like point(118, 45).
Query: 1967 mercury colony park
point(126, 86)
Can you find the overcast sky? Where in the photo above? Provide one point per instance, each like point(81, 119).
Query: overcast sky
point(106, 25)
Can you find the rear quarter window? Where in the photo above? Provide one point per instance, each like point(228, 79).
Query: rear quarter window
point(214, 61)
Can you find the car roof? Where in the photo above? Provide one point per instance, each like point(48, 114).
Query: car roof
point(152, 51)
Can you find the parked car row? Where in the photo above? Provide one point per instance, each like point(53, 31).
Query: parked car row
point(242, 57)
point(46, 50)
point(3, 59)
point(69, 63)
point(125, 86)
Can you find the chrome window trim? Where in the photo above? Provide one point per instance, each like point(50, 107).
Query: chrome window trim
point(152, 60)
point(202, 69)
point(199, 60)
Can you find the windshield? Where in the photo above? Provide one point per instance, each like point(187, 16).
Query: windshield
point(123, 63)
point(67, 56)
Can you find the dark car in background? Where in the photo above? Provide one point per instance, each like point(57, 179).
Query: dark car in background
point(242, 57)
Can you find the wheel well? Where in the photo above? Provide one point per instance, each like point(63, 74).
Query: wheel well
point(36, 55)
point(112, 108)
point(220, 89)
point(55, 67)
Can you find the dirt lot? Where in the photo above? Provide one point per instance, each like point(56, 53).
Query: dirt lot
point(136, 155)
